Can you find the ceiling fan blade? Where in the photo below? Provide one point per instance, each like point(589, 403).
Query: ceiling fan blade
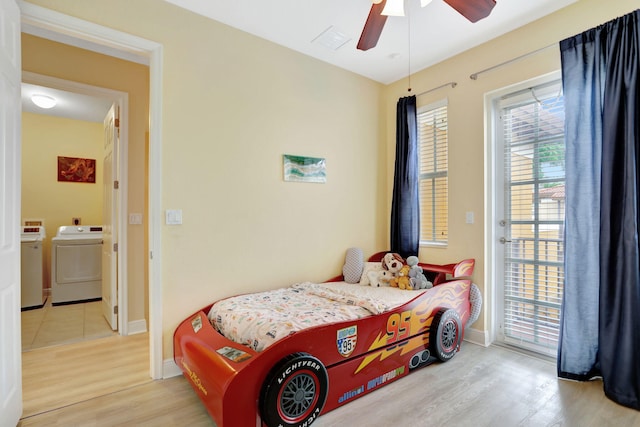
point(373, 27)
point(473, 10)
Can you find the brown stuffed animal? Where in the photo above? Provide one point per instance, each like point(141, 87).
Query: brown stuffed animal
point(402, 280)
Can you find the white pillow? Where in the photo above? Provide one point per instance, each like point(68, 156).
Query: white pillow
point(369, 266)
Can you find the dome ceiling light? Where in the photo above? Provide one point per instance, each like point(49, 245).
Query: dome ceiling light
point(44, 101)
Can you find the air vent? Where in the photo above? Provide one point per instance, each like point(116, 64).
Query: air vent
point(331, 38)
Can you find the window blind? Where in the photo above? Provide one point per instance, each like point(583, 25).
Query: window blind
point(533, 132)
point(433, 137)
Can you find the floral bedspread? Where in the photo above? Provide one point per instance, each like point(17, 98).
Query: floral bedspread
point(260, 319)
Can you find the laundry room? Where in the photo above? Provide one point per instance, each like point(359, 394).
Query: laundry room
point(58, 202)
point(62, 190)
point(56, 65)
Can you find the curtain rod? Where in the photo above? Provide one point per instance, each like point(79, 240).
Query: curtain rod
point(452, 84)
point(474, 76)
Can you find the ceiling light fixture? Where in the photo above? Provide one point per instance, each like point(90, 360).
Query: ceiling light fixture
point(396, 7)
point(44, 101)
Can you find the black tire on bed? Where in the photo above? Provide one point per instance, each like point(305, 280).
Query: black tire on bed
point(445, 332)
point(294, 392)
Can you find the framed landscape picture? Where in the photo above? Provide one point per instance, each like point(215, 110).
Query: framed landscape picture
point(304, 169)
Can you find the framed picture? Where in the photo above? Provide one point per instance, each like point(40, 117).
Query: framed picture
point(304, 169)
point(74, 169)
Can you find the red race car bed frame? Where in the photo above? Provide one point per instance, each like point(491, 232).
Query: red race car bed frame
point(316, 370)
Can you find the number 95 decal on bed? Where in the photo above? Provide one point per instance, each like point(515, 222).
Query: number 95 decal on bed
point(346, 340)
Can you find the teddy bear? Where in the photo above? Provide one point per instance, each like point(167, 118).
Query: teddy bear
point(402, 280)
point(416, 274)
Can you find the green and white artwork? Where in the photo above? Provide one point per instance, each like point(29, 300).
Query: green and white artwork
point(304, 169)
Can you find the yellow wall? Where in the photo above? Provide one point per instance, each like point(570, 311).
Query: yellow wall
point(64, 62)
point(44, 138)
point(233, 104)
point(467, 145)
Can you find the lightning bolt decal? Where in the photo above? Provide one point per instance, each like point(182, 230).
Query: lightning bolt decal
point(417, 323)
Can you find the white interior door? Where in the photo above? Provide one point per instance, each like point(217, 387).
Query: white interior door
point(110, 219)
point(10, 110)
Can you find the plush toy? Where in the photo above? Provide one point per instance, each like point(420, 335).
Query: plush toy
point(383, 278)
point(391, 264)
point(416, 275)
point(402, 280)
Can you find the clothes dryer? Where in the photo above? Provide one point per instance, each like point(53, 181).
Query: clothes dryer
point(31, 267)
point(76, 264)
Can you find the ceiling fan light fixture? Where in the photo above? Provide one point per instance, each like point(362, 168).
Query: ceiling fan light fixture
point(394, 8)
point(44, 101)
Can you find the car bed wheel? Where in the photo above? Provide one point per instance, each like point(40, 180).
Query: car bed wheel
point(445, 334)
point(294, 392)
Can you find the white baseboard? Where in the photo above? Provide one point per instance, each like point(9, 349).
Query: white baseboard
point(170, 369)
point(477, 336)
point(137, 327)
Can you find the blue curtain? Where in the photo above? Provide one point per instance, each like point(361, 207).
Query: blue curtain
point(600, 326)
point(405, 209)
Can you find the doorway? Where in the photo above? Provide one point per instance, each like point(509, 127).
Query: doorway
point(55, 26)
point(75, 126)
point(528, 213)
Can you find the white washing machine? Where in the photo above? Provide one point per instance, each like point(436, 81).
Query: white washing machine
point(76, 264)
point(31, 267)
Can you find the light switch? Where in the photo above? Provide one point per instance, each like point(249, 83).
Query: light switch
point(469, 217)
point(135, 218)
point(173, 216)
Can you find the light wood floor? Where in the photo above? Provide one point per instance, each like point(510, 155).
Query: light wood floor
point(479, 387)
point(62, 376)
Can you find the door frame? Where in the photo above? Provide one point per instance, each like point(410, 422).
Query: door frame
point(121, 99)
point(494, 201)
point(59, 27)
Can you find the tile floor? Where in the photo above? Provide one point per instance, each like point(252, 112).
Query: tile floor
point(63, 324)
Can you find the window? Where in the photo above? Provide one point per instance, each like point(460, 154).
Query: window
point(433, 145)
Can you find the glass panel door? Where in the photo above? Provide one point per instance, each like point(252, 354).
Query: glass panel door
point(532, 128)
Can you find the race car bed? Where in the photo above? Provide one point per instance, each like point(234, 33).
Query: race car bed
point(284, 357)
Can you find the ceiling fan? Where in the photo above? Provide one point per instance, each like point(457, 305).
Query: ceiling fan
point(473, 10)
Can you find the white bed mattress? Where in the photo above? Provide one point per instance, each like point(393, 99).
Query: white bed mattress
point(258, 320)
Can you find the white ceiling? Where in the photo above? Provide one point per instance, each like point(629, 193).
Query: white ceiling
point(70, 105)
point(437, 31)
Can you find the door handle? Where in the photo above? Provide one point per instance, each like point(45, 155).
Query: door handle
point(503, 240)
